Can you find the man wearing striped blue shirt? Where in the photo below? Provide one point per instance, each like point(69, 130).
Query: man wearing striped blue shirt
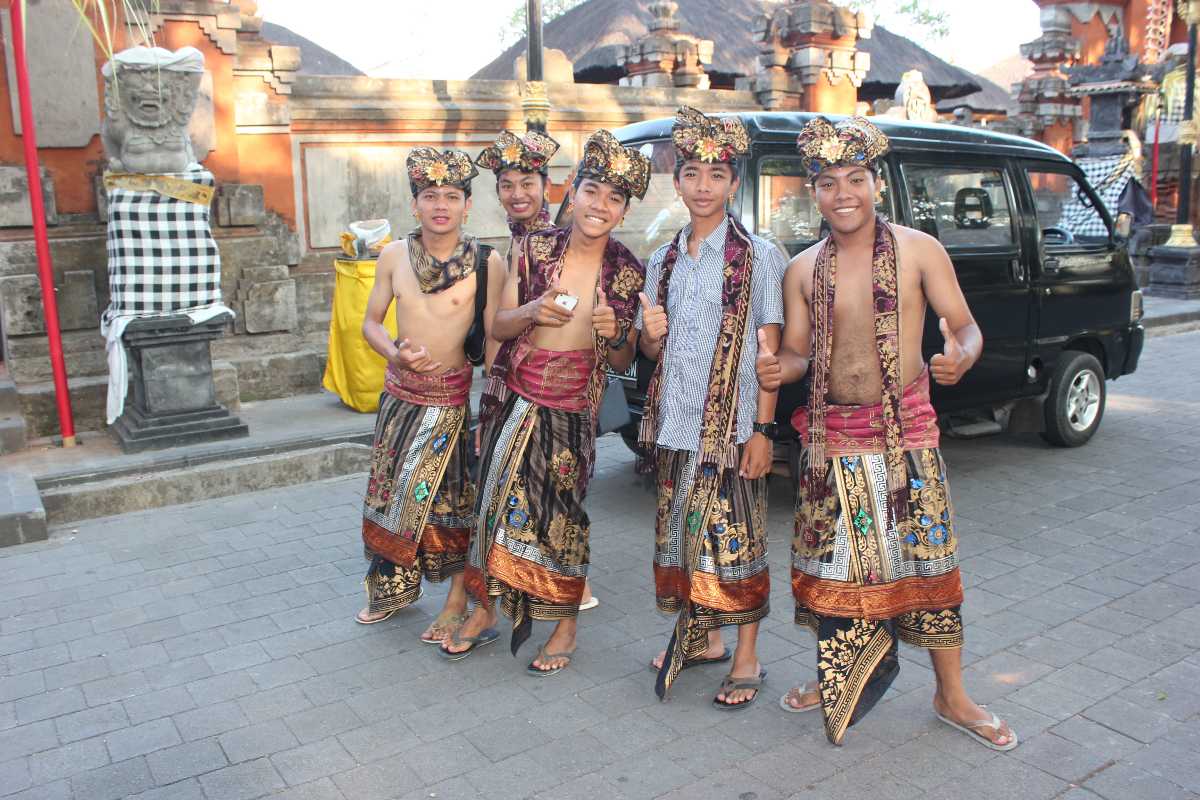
point(712, 294)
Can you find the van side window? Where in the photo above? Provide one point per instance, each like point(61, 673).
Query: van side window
point(787, 211)
point(1066, 212)
point(960, 206)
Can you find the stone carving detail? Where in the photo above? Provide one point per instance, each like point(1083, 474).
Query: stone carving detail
point(801, 42)
point(666, 57)
point(149, 97)
point(913, 100)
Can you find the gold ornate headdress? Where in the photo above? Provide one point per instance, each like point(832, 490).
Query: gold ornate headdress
point(531, 152)
point(701, 138)
point(853, 142)
point(427, 167)
point(608, 161)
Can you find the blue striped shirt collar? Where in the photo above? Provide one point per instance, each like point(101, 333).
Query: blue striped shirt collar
point(715, 240)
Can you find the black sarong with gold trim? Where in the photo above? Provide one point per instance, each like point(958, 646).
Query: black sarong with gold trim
point(418, 510)
point(871, 567)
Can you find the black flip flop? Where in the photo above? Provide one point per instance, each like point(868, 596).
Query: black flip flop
point(732, 684)
point(485, 636)
point(699, 662)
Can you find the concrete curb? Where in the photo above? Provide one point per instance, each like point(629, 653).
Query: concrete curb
point(23, 518)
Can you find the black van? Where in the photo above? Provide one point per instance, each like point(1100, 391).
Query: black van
point(1047, 279)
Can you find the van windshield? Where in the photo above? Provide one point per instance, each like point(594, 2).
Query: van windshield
point(787, 212)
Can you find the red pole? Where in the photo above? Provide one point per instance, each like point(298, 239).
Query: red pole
point(62, 393)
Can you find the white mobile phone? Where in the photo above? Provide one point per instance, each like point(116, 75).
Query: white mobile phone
point(567, 301)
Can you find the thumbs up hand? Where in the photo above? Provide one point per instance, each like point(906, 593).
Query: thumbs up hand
point(654, 320)
point(604, 319)
point(770, 374)
point(948, 366)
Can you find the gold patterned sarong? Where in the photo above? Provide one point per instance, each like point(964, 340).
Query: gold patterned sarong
point(418, 510)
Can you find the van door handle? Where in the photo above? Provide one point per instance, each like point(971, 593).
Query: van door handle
point(1051, 265)
point(1016, 270)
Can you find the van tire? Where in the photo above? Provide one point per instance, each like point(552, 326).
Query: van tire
point(1075, 403)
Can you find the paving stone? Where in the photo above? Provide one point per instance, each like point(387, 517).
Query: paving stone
point(114, 781)
point(162, 703)
point(1134, 721)
point(186, 761)
point(209, 720)
point(63, 762)
point(48, 705)
point(323, 721)
point(242, 781)
point(91, 722)
point(142, 739)
point(256, 741)
point(1122, 781)
point(26, 739)
point(311, 761)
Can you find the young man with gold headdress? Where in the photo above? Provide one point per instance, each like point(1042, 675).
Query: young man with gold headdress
point(874, 555)
point(521, 165)
point(419, 505)
point(711, 293)
point(566, 316)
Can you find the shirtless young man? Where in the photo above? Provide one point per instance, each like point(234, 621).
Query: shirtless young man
point(521, 165)
point(566, 314)
point(874, 551)
point(419, 506)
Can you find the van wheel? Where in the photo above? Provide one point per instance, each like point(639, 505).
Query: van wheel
point(1075, 404)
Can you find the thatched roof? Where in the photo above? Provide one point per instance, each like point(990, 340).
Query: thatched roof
point(592, 33)
point(992, 99)
point(314, 59)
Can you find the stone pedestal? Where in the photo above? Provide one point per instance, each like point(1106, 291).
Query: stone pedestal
point(1175, 272)
point(173, 401)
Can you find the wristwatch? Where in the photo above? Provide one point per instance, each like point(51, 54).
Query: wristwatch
point(767, 429)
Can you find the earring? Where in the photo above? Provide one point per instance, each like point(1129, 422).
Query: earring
point(465, 218)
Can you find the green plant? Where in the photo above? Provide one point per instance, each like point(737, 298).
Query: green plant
point(516, 27)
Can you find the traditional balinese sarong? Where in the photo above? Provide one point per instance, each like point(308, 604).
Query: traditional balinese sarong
point(530, 545)
point(730, 584)
point(418, 511)
point(532, 528)
point(710, 563)
point(868, 571)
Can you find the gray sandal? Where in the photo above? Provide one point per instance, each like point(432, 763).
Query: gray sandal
point(811, 686)
point(972, 729)
point(732, 684)
point(543, 656)
point(485, 636)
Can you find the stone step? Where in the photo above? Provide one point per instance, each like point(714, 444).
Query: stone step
point(10, 402)
point(69, 498)
point(12, 435)
point(22, 515)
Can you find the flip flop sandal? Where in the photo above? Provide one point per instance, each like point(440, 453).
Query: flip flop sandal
point(971, 729)
point(486, 636)
point(699, 662)
point(388, 615)
point(447, 628)
point(544, 656)
point(732, 684)
point(811, 686)
point(590, 604)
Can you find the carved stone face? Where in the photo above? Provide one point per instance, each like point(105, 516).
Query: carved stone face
point(151, 98)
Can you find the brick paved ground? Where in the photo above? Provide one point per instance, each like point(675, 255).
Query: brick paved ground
point(208, 651)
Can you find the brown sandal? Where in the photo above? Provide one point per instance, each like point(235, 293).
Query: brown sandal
point(441, 628)
point(732, 684)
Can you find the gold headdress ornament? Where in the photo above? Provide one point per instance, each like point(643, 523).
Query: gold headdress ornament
point(608, 161)
point(531, 152)
point(701, 138)
point(427, 167)
point(853, 142)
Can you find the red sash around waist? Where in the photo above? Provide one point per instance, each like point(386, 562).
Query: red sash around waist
point(856, 430)
point(552, 378)
point(449, 388)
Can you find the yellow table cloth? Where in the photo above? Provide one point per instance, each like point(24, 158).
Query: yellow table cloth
point(353, 371)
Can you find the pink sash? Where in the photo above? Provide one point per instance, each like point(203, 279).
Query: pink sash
point(552, 378)
point(449, 388)
point(856, 430)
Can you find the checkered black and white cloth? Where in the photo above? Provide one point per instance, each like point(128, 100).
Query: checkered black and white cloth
point(1108, 176)
point(161, 254)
